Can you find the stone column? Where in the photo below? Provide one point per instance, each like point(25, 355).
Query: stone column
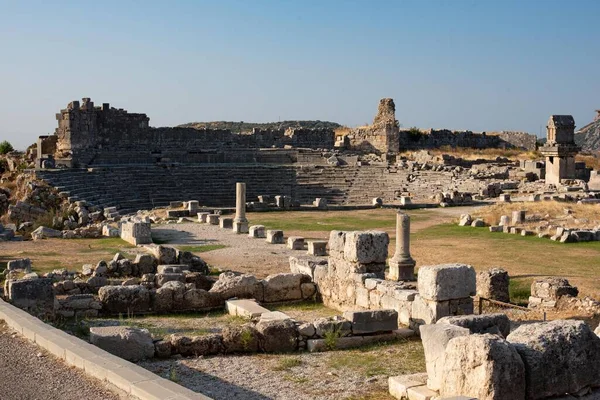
point(240, 223)
point(402, 265)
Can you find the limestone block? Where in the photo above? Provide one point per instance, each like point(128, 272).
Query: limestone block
point(478, 223)
point(504, 220)
point(273, 316)
point(213, 219)
point(465, 220)
point(518, 217)
point(35, 295)
point(399, 385)
point(226, 223)
point(196, 346)
point(165, 254)
point(366, 247)
point(553, 288)
point(405, 200)
point(483, 366)
point(560, 357)
point(337, 242)
point(146, 264)
point(124, 299)
point(166, 269)
point(364, 322)
point(493, 284)
point(161, 279)
point(109, 231)
point(486, 323)
point(275, 236)
point(248, 308)
point(504, 198)
point(136, 232)
point(337, 325)
point(307, 330)
point(200, 299)
point(44, 233)
point(203, 217)
point(317, 247)
point(308, 290)
point(295, 243)
point(321, 203)
point(21, 264)
point(231, 285)
point(446, 281)
point(132, 344)
point(279, 336)
point(305, 264)
point(284, 287)
point(425, 311)
point(435, 338)
point(257, 231)
point(240, 339)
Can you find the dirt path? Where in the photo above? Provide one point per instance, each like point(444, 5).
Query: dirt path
point(30, 373)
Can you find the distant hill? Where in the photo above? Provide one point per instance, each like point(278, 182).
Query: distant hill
point(239, 127)
point(588, 137)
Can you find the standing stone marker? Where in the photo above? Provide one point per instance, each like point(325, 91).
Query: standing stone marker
point(402, 265)
point(240, 223)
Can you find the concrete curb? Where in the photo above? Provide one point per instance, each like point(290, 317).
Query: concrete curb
point(95, 362)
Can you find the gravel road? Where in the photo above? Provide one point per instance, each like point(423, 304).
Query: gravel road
point(30, 373)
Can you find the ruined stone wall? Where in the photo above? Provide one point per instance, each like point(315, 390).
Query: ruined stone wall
point(89, 135)
point(432, 138)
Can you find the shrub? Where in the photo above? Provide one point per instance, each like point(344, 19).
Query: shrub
point(5, 147)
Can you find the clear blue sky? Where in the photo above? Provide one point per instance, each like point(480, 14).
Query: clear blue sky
point(479, 65)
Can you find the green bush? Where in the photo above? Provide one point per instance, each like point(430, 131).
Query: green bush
point(5, 147)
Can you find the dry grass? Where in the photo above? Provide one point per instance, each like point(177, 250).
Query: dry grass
point(581, 216)
point(591, 161)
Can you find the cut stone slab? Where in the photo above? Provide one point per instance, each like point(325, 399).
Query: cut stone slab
point(347, 342)
point(132, 344)
point(398, 385)
point(257, 231)
point(317, 247)
point(275, 236)
point(274, 316)
point(446, 282)
point(226, 223)
point(295, 243)
point(364, 322)
point(245, 308)
point(213, 219)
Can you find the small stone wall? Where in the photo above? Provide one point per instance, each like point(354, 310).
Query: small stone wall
point(353, 279)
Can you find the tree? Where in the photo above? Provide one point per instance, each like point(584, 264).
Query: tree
point(5, 147)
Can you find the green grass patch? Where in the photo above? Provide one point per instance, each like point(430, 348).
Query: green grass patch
point(520, 290)
point(287, 363)
point(202, 248)
point(388, 358)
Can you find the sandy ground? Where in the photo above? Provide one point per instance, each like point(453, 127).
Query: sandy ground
point(30, 373)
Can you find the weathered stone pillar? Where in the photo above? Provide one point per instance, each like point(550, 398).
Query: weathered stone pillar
point(402, 265)
point(240, 223)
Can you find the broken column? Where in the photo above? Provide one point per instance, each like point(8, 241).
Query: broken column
point(240, 223)
point(402, 265)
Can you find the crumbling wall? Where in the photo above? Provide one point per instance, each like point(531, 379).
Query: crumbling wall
point(381, 137)
point(88, 135)
point(436, 138)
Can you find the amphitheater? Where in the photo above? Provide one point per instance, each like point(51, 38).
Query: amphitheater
point(112, 158)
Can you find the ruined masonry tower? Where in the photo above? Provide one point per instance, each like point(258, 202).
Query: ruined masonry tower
point(560, 149)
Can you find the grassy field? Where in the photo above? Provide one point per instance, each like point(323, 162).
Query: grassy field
point(325, 221)
point(524, 257)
